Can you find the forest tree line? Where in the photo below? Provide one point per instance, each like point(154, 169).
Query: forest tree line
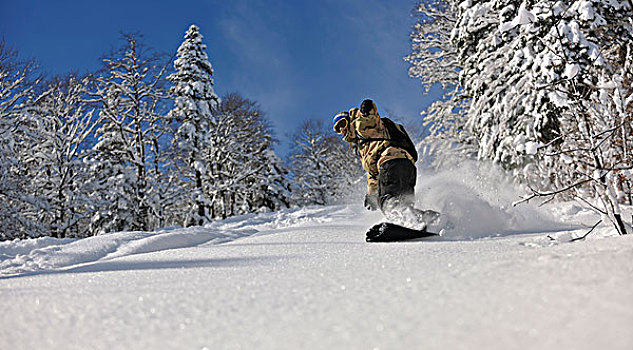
point(543, 88)
point(146, 143)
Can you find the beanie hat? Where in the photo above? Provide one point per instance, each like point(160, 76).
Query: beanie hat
point(338, 118)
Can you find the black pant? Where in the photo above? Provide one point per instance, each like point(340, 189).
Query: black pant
point(396, 184)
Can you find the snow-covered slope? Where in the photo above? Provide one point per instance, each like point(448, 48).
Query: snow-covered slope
point(22, 257)
point(305, 279)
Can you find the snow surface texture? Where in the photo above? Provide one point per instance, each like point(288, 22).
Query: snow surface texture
point(501, 277)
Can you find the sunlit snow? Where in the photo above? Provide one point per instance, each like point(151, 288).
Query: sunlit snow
point(502, 277)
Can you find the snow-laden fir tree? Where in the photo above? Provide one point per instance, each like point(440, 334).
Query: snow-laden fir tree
point(325, 170)
point(507, 113)
point(195, 109)
point(548, 102)
point(129, 139)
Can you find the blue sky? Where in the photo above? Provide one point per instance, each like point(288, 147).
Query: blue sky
point(297, 59)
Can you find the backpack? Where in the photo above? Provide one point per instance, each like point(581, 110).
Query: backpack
point(398, 137)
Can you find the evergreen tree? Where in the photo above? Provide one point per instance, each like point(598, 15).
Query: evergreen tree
point(546, 99)
point(586, 64)
point(195, 109)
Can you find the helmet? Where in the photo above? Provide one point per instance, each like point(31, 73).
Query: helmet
point(340, 121)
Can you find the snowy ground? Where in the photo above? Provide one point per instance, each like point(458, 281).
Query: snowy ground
point(305, 279)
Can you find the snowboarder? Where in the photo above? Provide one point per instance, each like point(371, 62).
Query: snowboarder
point(391, 174)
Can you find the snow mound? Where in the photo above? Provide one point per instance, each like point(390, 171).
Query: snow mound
point(296, 217)
point(24, 256)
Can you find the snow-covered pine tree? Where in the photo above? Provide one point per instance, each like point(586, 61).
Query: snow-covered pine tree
point(17, 82)
point(506, 113)
point(194, 111)
point(59, 174)
point(131, 126)
point(325, 170)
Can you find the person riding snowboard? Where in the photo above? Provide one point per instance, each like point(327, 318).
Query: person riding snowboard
point(388, 156)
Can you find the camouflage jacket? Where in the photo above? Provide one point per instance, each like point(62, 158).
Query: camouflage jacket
point(372, 153)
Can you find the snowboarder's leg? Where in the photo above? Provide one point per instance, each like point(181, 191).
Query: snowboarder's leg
point(396, 184)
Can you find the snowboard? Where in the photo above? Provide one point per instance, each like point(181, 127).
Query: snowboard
point(389, 232)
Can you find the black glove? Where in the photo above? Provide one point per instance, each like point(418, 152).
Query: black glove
point(371, 202)
point(366, 107)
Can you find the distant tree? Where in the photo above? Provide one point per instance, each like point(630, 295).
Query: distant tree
point(434, 58)
point(128, 138)
point(195, 114)
point(349, 176)
point(247, 174)
point(274, 187)
point(59, 172)
point(325, 170)
point(18, 80)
